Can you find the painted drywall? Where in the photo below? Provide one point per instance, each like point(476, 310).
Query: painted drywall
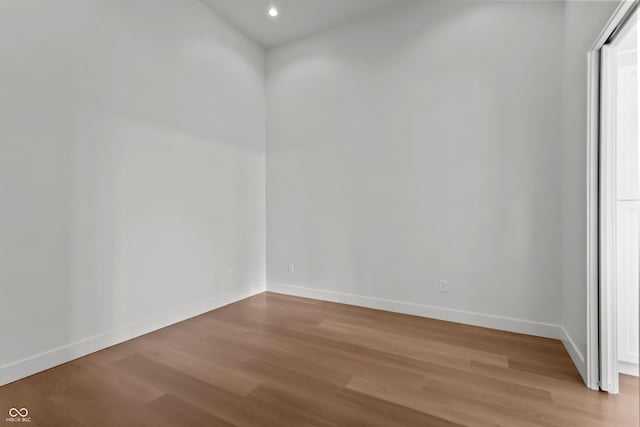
point(132, 171)
point(418, 145)
point(582, 24)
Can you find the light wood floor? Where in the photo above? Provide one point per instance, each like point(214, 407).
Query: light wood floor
point(274, 360)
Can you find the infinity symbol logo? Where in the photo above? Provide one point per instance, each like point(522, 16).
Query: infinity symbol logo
point(14, 412)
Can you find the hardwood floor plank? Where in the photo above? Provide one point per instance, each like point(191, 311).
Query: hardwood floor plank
point(413, 347)
point(180, 413)
point(195, 391)
point(42, 411)
point(338, 404)
point(202, 367)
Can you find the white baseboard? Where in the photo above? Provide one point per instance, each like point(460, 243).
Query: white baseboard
point(451, 315)
point(57, 356)
point(628, 368)
point(575, 354)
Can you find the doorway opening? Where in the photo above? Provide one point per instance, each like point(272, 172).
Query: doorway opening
point(614, 179)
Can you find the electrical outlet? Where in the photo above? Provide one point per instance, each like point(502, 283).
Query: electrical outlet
point(229, 274)
point(444, 286)
point(292, 268)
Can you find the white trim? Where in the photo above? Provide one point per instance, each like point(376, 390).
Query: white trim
point(57, 356)
point(618, 17)
point(502, 323)
point(575, 354)
point(608, 292)
point(593, 127)
point(628, 368)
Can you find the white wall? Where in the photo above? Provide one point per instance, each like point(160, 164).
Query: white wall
point(419, 144)
point(583, 22)
point(131, 172)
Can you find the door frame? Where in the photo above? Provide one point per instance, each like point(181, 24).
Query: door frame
point(599, 318)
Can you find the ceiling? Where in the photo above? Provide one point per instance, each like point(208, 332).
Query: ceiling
point(298, 18)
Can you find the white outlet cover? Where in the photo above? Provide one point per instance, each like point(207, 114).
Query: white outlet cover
point(443, 286)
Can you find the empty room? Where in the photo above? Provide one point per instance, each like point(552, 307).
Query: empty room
point(319, 213)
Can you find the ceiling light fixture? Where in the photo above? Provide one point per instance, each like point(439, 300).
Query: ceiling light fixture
point(273, 12)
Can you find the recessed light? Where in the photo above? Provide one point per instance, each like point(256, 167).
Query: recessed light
point(273, 12)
